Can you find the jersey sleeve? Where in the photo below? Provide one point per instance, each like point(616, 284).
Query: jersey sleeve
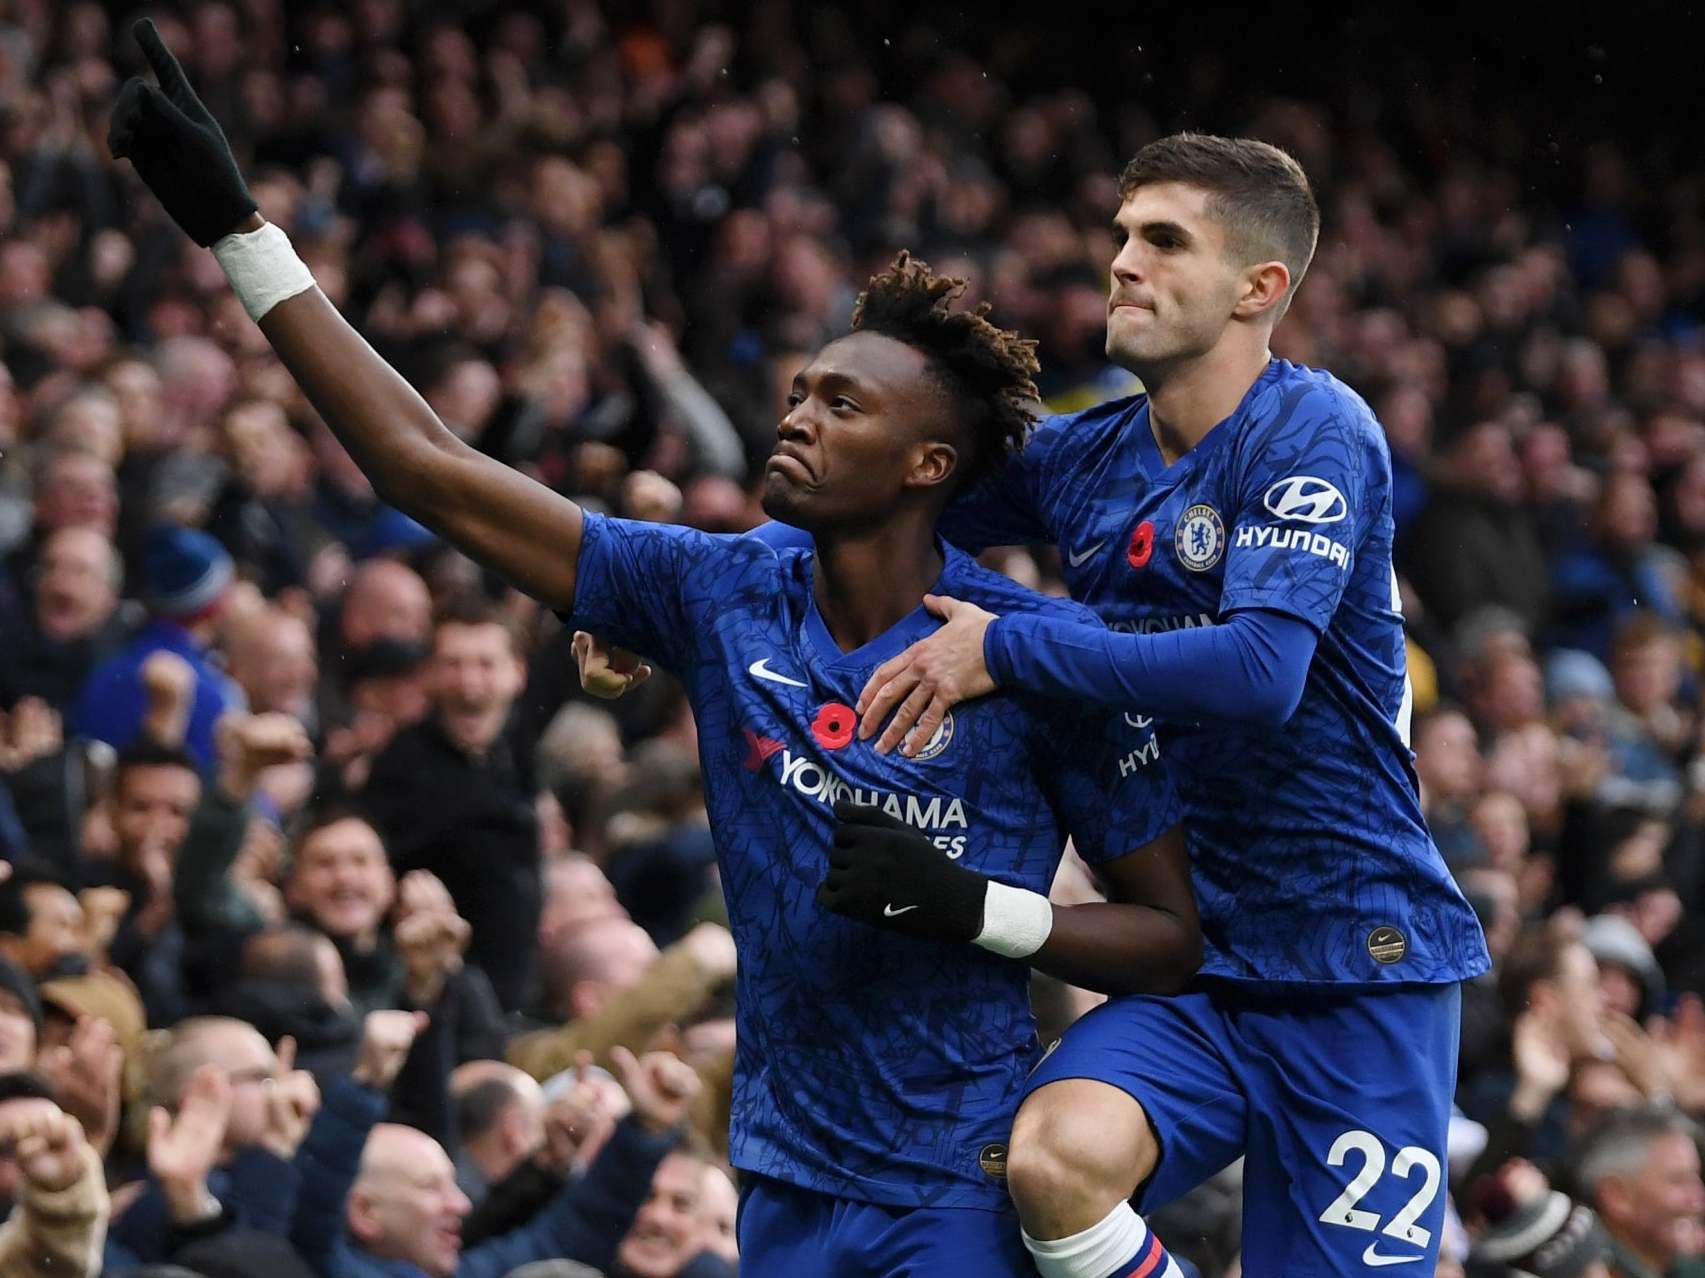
point(647, 586)
point(1108, 783)
point(1308, 490)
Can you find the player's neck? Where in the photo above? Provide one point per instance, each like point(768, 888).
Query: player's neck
point(1189, 399)
point(868, 580)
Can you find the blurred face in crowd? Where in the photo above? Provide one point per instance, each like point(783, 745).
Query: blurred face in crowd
point(385, 600)
point(668, 1230)
point(1498, 890)
point(17, 1034)
point(54, 939)
point(1648, 674)
point(1512, 692)
point(342, 881)
point(272, 657)
point(576, 892)
point(476, 676)
point(1620, 989)
point(77, 491)
point(861, 431)
point(405, 1205)
point(263, 450)
point(1447, 758)
point(89, 423)
point(136, 386)
point(1175, 281)
point(1628, 513)
point(76, 584)
point(718, 1205)
point(1484, 460)
point(595, 962)
point(248, 1062)
point(152, 805)
point(1659, 1209)
point(1501, 822)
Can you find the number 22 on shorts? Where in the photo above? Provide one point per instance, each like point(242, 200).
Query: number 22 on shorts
point(1344, 1213)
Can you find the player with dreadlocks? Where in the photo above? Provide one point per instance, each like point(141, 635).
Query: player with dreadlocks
point(877, 1071)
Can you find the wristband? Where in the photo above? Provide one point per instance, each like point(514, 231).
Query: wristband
point(263, 269)
point(1016, 922)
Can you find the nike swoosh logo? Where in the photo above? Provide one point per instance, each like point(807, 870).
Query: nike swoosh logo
point(1373, 1257)
point(1078, 560)
point(889, 912)
point(760, 669)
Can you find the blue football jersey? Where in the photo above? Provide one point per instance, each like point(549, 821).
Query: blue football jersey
point(1311, 859)
point(870, 1065)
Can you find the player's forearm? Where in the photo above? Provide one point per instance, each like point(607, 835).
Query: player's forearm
point(1249, 669)
point(1113, 948)
point(387, 427)
point(498, 517)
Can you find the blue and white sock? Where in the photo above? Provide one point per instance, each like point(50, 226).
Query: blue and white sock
point(1121, 1246)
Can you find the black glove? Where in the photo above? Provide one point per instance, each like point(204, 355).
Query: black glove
point(177, 147)
point(888, 874)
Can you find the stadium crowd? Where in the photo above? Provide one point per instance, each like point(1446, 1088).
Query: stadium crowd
point(357, 940)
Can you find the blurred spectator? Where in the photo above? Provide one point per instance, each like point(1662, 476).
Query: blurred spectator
point(1474, 544)
point(73, 624)
point(186, 576)
point(1535, 1230)
point(463, 764)
point(1640, 1170)
point(1597, 585)
point(61, 1213)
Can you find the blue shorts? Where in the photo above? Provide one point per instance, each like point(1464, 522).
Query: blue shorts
point(786, 1231)
point(1338, 1100)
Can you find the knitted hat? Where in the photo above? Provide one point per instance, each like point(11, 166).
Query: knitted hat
point(1549, 1237)
point(184, 571)
point(1610, 938)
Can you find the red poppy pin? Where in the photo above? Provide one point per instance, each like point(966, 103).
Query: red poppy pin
point(833, 726)
point(1142, 545)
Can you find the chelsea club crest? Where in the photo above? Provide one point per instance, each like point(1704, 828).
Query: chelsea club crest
point(1199, 539)
point(937, 743)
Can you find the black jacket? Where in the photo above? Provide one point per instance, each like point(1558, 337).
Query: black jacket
point(473, 824)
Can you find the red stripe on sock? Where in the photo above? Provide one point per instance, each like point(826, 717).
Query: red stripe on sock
point(1155, 1255)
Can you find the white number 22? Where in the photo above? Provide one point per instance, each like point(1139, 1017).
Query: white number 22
point(1345, 1213)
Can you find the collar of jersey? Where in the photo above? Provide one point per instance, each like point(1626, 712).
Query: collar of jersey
point(913, 626)
point(1148, 451)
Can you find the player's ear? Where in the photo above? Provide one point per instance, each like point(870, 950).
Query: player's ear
point(1266, 285)
point(933, 463)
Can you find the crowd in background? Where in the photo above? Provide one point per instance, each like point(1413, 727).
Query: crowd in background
point(358, 941)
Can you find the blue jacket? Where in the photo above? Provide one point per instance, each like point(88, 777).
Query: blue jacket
point(111, 704)
point(257, 1190)
point(585, 1221)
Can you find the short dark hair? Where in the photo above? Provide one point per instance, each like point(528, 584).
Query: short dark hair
point(472, 609)
point(144, 752)
point(1536, 955)
point(988, 372)
point(1259, 193)
point(14, 905)
point(316, 817)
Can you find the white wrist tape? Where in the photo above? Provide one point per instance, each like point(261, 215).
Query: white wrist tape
point(263, 268)
point(1016, 922)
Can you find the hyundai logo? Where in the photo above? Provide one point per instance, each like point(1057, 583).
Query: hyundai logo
point(1305, 498)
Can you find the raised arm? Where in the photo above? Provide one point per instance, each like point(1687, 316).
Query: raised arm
point(507, 522)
